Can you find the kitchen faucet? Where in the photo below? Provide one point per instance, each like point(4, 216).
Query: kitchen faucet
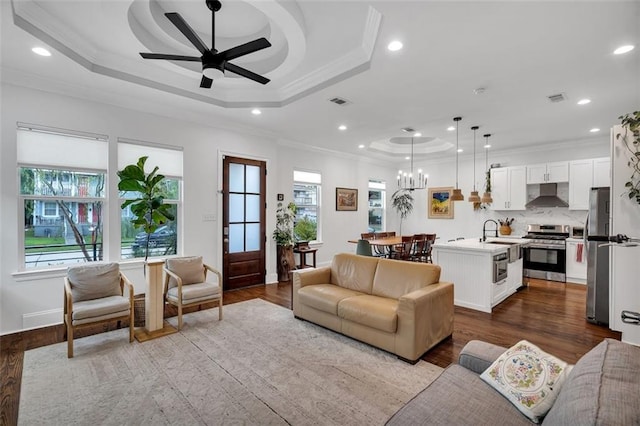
point(484, 229)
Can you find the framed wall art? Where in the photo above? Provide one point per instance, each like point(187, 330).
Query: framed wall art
point(439, 204)
point(346, 199)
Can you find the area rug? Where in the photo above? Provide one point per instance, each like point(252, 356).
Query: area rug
point(259, 365)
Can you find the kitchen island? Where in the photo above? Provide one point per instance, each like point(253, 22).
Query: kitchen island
point(470, 265)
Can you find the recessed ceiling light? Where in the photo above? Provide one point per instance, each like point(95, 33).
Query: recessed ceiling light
point(41, 51)
point(584, 101)
point(460, 150)
point(451, 128)
point(594, 130)
point(256, 111)
point(417, 134)
point(342, 127)
point(394, 45)
point(623, 49)
point(407, 158)
point(487, 146)
point(361, 146)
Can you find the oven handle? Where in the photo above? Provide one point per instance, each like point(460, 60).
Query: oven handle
point(545, 246)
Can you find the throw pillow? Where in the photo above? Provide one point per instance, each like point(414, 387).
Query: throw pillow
point(528, 377)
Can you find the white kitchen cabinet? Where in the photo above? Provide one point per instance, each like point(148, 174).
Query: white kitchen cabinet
point(514, 276)
point(576, 261)
point(509, 188)
point(583, 175)
point(602, 171)
point(548, 173)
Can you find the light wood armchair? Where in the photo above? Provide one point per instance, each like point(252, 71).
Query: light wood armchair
point(93, 294)
point(186, 284)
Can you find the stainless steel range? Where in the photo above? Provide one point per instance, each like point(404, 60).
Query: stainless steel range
point(545, 255)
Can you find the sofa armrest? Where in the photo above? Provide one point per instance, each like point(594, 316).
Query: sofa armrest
point(477, 356)
point(305, 277)
point(425, 317)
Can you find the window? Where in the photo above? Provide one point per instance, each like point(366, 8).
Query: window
point(377, 205)
point(61, 196)
point(306, 197)
point(165, 239)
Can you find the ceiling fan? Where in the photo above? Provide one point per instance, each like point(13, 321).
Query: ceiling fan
point(214, 63)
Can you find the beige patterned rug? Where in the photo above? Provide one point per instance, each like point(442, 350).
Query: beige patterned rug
point(258, 366)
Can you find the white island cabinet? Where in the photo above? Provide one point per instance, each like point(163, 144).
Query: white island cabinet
point(468, 264)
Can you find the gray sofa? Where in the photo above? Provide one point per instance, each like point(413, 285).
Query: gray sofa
point(602, 389)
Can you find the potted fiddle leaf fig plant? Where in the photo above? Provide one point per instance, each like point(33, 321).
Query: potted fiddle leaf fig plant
point(631, 138)
point(148, 209)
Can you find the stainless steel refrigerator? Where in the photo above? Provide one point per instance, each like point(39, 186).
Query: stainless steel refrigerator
point(597, 257)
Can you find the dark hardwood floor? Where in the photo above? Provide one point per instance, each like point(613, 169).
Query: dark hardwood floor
point(548, 314)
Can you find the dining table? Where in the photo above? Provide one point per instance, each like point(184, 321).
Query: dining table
point(382, 242)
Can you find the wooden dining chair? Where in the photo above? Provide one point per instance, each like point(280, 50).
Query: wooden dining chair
point(405, 249)
point(367, 236)
point(420, 248)
point(431, 238)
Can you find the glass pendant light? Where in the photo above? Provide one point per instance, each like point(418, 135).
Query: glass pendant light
point(457, 192)
point(486, 197)
point(474, 197)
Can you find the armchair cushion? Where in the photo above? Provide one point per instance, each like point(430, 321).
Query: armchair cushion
point(99, 309)
point(94, 281)
point(195, 292)
point(189, 269)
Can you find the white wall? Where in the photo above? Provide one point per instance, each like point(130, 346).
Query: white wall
point(467, 222)
point(32, 293)
point(34, 299)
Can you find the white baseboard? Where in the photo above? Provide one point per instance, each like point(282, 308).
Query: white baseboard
point(42, 319)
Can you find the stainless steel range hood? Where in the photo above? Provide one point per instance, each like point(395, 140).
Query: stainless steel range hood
point(548, 197)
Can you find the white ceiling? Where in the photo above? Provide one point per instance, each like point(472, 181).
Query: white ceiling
point(519, 52)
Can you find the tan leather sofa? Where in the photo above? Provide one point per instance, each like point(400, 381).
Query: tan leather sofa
point(401, 307)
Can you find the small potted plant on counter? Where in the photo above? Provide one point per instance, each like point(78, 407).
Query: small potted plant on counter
point(505, 226)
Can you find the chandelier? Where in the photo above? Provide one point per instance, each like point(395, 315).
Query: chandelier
point(408, 181)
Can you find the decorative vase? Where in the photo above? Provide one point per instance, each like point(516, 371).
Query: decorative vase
point(505, 230)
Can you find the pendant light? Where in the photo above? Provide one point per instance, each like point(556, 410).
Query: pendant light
point(474, 197)
point(486, 197)
point(457, 192)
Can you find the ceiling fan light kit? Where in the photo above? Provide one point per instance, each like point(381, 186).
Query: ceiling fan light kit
point(214, 63)
point(457, 192)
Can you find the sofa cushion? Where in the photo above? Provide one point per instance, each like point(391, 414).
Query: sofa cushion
point(528, 377)
point(602, 389)
point(94, 281)
point(395, 278)
point(458, 397)
point(372, 311)
point(189, 269)
point(353, 272)
point(324, 297)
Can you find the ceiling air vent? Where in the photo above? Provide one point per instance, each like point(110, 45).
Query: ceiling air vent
point(340, 101)
point(557, 98)
point(408, 130)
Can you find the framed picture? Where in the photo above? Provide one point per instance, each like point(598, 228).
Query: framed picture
point(346, 199)
point(439, 204)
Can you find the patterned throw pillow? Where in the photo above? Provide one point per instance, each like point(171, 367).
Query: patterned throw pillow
point(528, 377)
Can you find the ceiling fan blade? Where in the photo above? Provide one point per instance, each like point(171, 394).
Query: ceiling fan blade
point(246, 73)
point(170, 57)
point(188, 32)
point(244, 49)
point(205, 83)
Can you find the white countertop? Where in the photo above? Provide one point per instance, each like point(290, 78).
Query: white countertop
point(474, 244)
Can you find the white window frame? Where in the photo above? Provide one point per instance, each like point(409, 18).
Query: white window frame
point(381, 186)
point(311, 178)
